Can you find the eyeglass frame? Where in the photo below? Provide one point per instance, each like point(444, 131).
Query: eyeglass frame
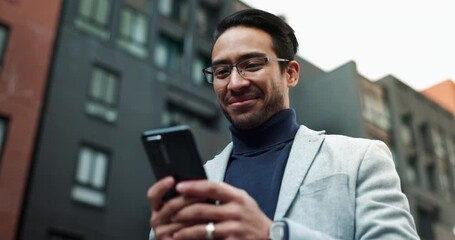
point(209, 75)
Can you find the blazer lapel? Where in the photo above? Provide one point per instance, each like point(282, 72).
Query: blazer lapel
point(216, 168)
point(303, 152)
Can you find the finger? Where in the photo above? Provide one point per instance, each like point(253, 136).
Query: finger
point(166, 231)
point(206, 189)
point(156, 193)
point(170, 208)
point(204, 212)
point(192, 232)
point(223, 230)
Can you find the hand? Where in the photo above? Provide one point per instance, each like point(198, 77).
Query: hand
point(237, 216)
point(163, 211)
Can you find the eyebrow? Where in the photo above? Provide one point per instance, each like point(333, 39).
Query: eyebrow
point(241, 58)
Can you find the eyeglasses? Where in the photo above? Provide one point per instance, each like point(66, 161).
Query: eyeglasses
point(247, 68)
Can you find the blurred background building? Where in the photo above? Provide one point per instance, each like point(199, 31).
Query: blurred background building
point(81, 80)
point(443, 93)
point(27, 35)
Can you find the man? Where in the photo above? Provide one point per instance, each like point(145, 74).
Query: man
point(277, 179)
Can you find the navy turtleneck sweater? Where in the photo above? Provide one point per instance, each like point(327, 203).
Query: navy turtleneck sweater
point(259, 158)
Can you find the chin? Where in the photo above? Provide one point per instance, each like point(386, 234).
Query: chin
point(247, 120)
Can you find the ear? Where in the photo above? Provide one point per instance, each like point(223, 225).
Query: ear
point(292, 72)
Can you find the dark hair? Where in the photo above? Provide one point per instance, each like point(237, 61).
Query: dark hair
point(284, 42)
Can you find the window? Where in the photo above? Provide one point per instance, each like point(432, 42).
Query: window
point(93, 17)
point(175, 114)
point(133, 31)
point(438, 142)
point(3, 40)
point(432, 177)
point(206, 19)
point(406, 131)
point(412, 171)
point(444, 177)
point(3, 126)
point(90, 176)
point(175, 9)
point(450, 141)
point(169, 54)
point(376, 111)
point(103, 94)
point(199, 63)
point(425, 134)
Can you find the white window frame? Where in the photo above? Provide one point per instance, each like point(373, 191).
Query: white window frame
point(93, 17)
point(90, 176)
point(133, 31)
point(103, 100)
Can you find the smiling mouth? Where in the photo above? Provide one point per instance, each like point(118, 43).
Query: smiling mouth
point(241, 103)
point(240, 99)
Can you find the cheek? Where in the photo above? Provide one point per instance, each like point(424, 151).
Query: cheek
point(220, 92)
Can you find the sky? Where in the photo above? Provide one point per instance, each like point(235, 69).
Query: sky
point(413, 40)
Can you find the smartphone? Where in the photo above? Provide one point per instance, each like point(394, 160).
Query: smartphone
point(173, 152)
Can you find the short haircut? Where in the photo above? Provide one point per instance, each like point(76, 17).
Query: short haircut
point(284, 41)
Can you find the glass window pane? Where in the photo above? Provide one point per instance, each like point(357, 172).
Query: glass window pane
point(111, 89)
point(85, 7)
point(96, 86)
point(102, 13)
point(3, 37)
point(83, 165)
point(2, 132)
point(198, 76)
point(175, 57)
point(161, 54)
point(165, 7)
point(99, 171)
point(125, 23)
point(451, 150)
point(140, 29)
point(183, 9)
point(201, 19)
point(206, 19)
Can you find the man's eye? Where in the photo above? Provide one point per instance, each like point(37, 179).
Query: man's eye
point(253, 65)
point(222, 72)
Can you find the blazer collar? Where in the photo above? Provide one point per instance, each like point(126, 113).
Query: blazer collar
point(303, 152)
point(216, 168)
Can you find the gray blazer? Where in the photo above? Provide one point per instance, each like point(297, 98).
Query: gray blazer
point(337, 187)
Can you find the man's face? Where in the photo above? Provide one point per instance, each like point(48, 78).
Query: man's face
point(249, 102)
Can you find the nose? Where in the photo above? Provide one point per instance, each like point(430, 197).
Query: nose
point(237, 81)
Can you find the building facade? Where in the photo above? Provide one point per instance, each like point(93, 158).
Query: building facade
point(442, 93)
point(424, 143)
point(119, 68)
point(27, 34)
point(420, 134)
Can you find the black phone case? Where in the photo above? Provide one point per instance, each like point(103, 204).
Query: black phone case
point(173, 152)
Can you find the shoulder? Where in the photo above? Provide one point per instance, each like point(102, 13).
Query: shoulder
point(343, 150)
point(342, 143)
